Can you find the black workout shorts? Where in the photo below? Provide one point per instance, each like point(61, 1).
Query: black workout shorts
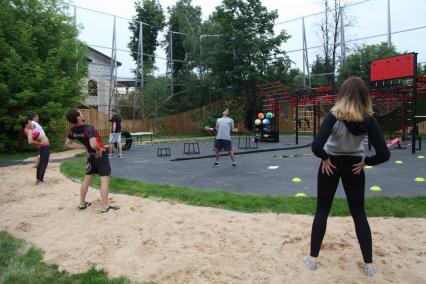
point(98, 166)
point(220, 144)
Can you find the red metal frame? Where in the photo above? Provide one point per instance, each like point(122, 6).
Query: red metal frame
point(396, 67)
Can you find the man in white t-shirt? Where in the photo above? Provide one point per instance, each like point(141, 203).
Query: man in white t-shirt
point(224, 126)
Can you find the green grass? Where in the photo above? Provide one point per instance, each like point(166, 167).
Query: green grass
point(21, 262)
point(30, 151)
point(16, 156)
point(375, 206)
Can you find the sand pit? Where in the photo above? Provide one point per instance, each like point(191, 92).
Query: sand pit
point(166, 242)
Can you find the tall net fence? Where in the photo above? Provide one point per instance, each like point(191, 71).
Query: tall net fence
point(113, 81)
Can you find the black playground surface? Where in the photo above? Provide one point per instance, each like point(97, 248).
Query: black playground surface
point(253, 174)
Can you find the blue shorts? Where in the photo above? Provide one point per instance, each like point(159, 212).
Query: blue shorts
point(220, 144)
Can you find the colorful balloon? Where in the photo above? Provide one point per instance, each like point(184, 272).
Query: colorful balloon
point(258, 122)
point(266, 121)
point(269, 115)
point(260, 115)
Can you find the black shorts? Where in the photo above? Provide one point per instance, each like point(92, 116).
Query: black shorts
point(98, 166)
point(220, 144)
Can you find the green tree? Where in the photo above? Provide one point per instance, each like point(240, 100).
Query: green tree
point(156, 94)
point(185, 19)
point(248, 47)
point(358, 63)
point(41, 64)
point(321, 69)
point(151, 13)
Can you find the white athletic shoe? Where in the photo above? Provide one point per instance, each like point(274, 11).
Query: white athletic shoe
point(311, 265)
point(370, 271)
point(42, 184)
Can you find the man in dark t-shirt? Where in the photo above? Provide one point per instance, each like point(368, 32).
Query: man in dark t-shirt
point(97, 159)
point(115, 135)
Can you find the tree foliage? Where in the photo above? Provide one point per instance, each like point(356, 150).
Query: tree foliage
point(321, 69)
point(330, 34)
point(151, 13)
point(186, 19)
point(358, 63)
point(41, 64)
point(247, 48)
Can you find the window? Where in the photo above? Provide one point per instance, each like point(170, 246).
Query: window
point(92, 88)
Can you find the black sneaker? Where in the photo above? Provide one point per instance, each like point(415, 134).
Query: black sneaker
point(110, 209)
point(216, 164)
point(234, 164)
point(85, 205)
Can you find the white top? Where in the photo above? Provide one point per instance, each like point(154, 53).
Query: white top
point(38, 127)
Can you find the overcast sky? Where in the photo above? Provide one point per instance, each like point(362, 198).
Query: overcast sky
point(368, 19)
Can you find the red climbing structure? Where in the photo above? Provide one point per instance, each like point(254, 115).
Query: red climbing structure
point(394, 89)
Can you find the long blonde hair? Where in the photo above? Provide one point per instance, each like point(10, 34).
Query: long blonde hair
point(353, 101)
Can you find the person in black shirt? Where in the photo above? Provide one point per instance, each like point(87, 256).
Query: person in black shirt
point(339, 144)
point(97, 159)
point(115, 135)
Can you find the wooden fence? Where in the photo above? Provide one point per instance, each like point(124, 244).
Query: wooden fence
point(185, 123)
point(182, 123)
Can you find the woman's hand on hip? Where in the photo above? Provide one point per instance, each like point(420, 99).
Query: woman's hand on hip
point(358, 168)
point(327, 167)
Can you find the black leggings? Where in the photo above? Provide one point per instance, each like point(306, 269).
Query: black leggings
point(44, 161)
point(354, 186)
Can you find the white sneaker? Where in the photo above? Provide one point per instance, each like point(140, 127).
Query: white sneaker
point(370, 271)
point(311, 265)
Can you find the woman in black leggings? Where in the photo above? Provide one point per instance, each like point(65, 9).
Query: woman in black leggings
point(42, 143)
point(339, 144)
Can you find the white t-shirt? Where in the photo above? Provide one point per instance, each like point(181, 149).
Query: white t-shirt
point(224, 126)
point(38, 127)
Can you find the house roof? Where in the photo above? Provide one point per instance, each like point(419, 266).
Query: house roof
point(127, 83)
point(102, 55)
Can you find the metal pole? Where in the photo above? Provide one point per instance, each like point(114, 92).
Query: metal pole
point(75, 26)
point(297, 119)
point(138, 61)
point(303, 47)
point(139, 73)
point(342, 37)
point(171, 63)
point(141, 44)
point(315, 118)
point(413, 110)
point(201, 57)
point(389, 25)
point(113, 65)
point(155, 113)
point(305, 58)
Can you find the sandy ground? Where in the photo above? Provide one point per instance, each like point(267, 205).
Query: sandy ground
point(160, 241)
